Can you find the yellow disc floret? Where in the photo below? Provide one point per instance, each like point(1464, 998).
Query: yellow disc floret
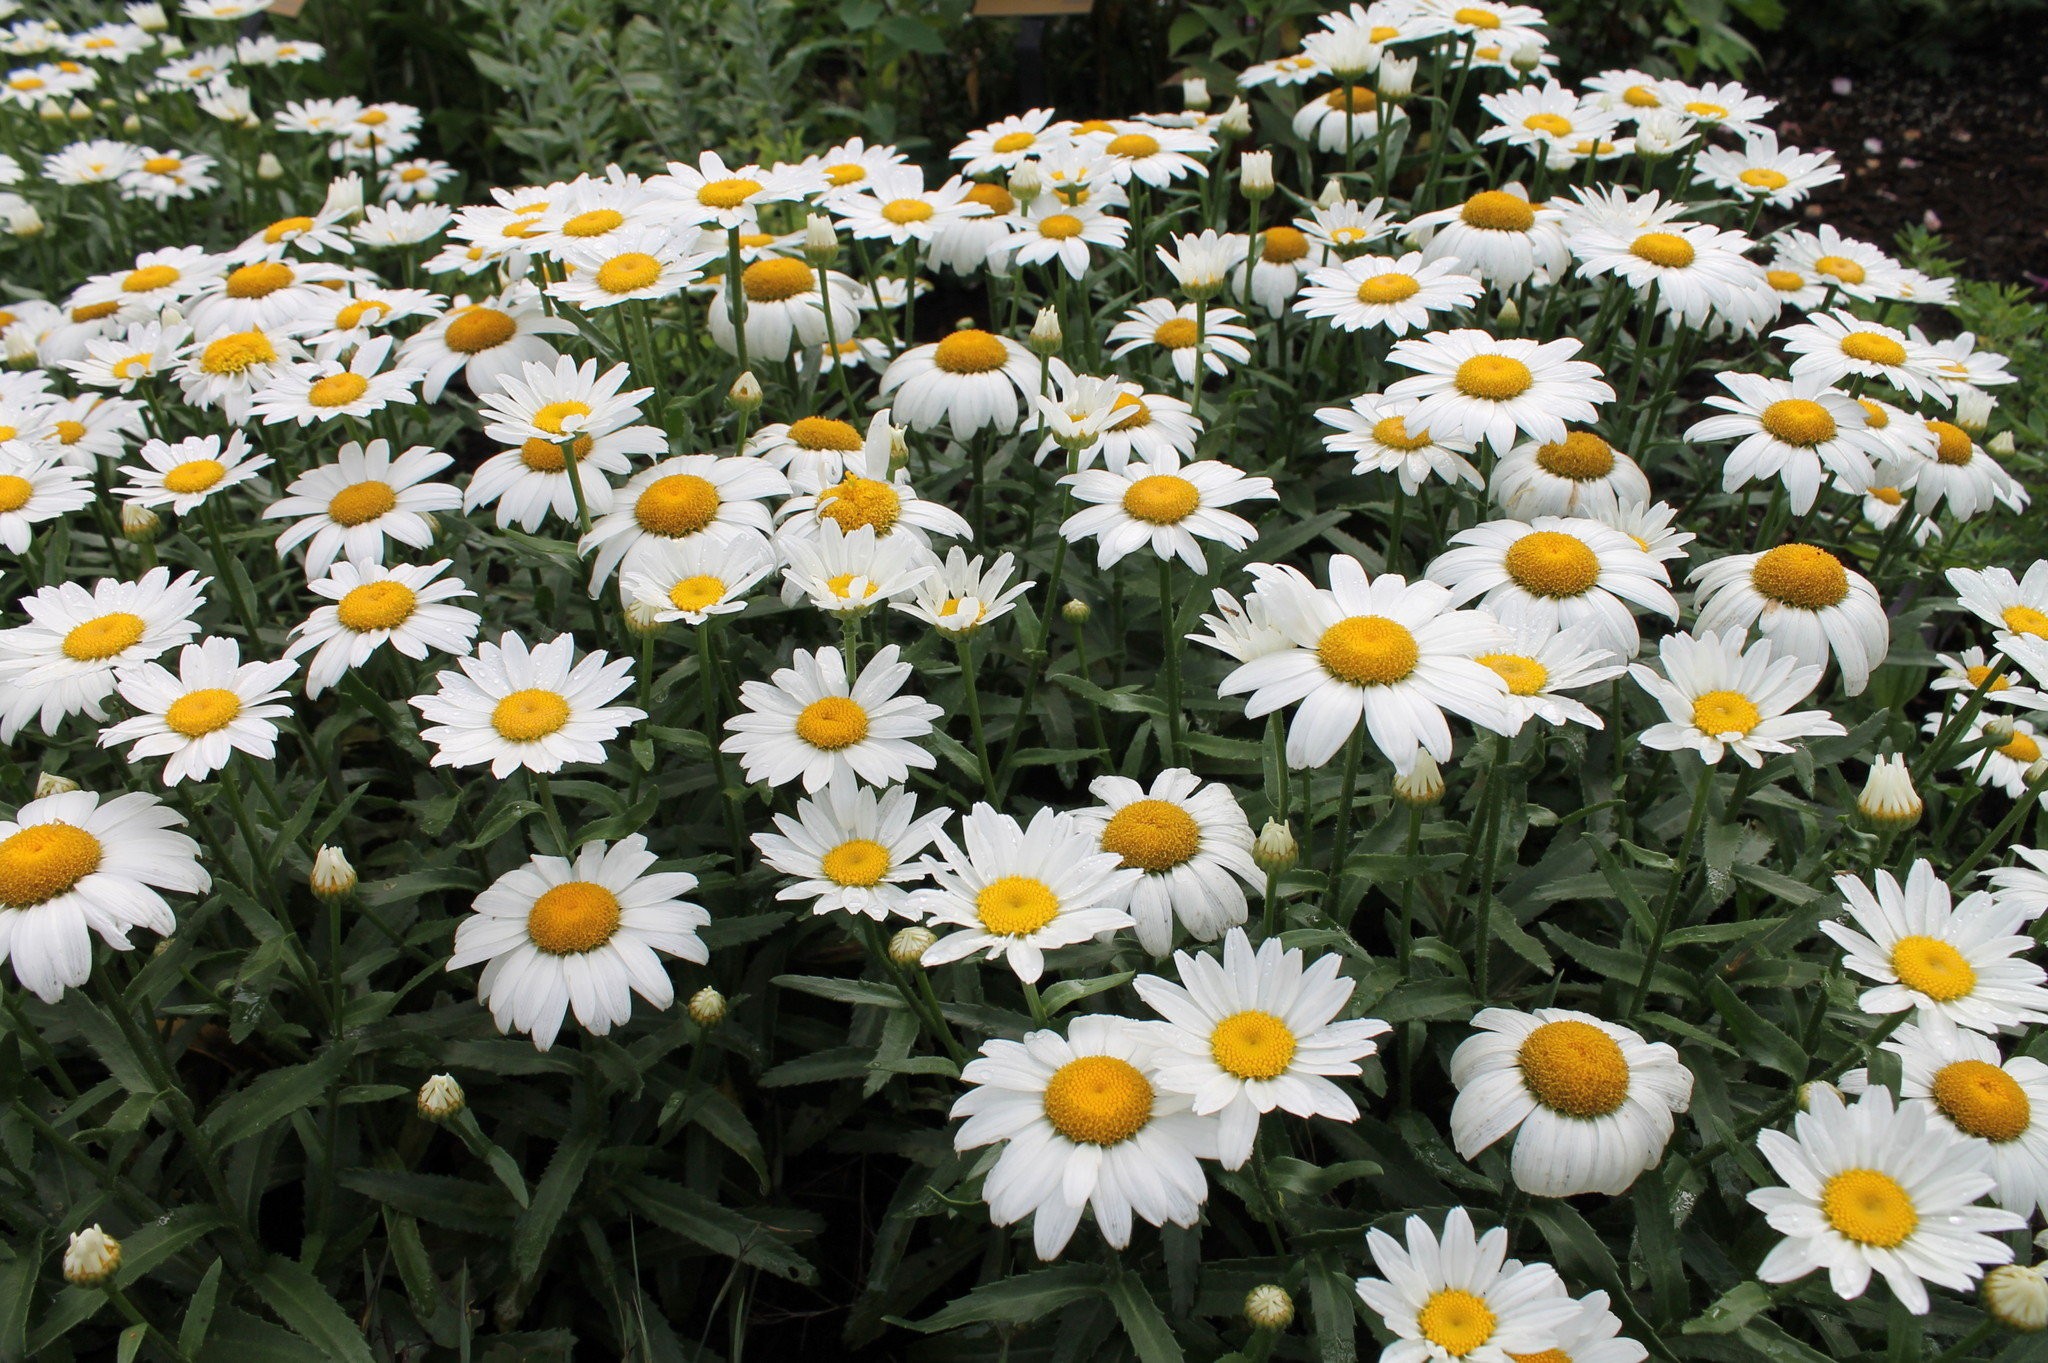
point(1455, 1320)
point(832, 723)
point(1152, 835)
point(43, 861)
point(1368, 650)
point(1493, 378)
point(376, 605)
point(677, 505)
point(970, 351)
point(1581, 456)
point(1252, 1044)
point(1869, 1207)
point(1930, 966)
point(102, 637)
point(1098, 1100)
point(197, 713)
point(1801, 575)
point(529, 716)
point(1496, 210)
point(1553, 564)
point(1161, 499)
point(1015, 906)
point(572, 918)
point(1575, 1068)
point(1982, 1100)
point(1725, 712)
point(858, 863)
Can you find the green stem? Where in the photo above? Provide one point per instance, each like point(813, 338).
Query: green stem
point(965, 644)
point(1482, 949)
point(1679, 872)
point(1171, 661)
point(1340, 852)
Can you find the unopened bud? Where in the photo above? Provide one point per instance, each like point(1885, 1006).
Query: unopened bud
point(173, 46)
point(1973, 409)
point(2001, 445)
point(1268, 1307)
point(707, 1007)
point(745, 394)
point(1027, 182)
point(1076, 612)
point(821, 243)
point(909, 945)
point(1526, 57)
point(1807, 1090)
point(21, 348)
point(171, 315)
point(268, 167)
point(1397, 78)
point(1237, 119)
point(132, 124)
point(1888, 799)
point(1045, 338)
point(1275, 849)
point(899, 448)
point(2000, 730)
point(2036, 772)
point(1255, 175)
point(149, 17)
point(440, 1098)
point(332, 876)
point(1421, 784)
point(1194, 94)
point(48, 783)
point(140, 524)
point(1510, 315)
point(91, 1258)
point(643, 617)
point(1332, 195)
point(50, 111)
point(2017, 1298)
point(79, 111)
point(24, 220)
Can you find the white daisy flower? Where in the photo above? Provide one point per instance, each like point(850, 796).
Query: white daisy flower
point(1191, 841)
point(1168, 506)
point(1084, 1124)
point(2017, 608)
point(1539, 665)
point(867, 493)
point(810, 451)
point(1347, 227)
point(1016, 892)
point(35, 492)
point(1699, 272)
point(404, 605)
point(1590, 1103)
point(1790, 430)
point(1478, 388)
point(786, 310)
point(967, 380)
point(681, 498)
point(419, 178)
point(1151, 428)
point(845, 168)
point(853, 850)
point(893, 205)
point(1779, 176)
point(1966, 672)
point(639, 263)
point(157, 177)
point(1002, 144)
point(144, 351)
point(1878, 1188)
point(2022, 889)
point(1051, 231)
point(264, 295)
point(321, 390)
point(1839, 264)
point(198, 718)
point(1833, 346)
point(693, 579)
point(157, 279)
point(1720, 697)
point(1594, 1335)
point(1150, 154)
point(1254, 1032)
point(1395, 292)
point(557, 936)
point(1718, 104)
point(531, 481)
point(962, 594)
point(361, 314)
point(1461, 1299)
point(1962, 476)
point(65, 658)
point(348, 508)
point(72, 865)
point(1544, 117)
point(1240, 630)
point(560, 401)
point(1497, 235)
point(851, 572)
point(966, 245)
point(537, 708)
point(1286, 255)
point(1649, 525)
point(96, 162)
point(2003, 759)
point(1175, 329)
point(315, 233)
point(807, 721)
point(1347, 116)
point(1374, 431)
point(1802, 599)
point(487, 340)
point(723, 196)
point(1556, 572)
point(1580, 475)
point(227, 369)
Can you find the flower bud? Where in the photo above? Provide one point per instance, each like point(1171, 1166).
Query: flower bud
point(643, 617)
point(1076, 612)
point(140, 524)
point(268, 167)
point(79, 112)
point(1194, 94)
point(172, 46)
point(440, 1098)
point(91, 1258)
point(2017, 1298)
point(24, 221)
point(1275, 850)
point(1888, 799)
point(821, 243)
point(1509, 315)
point(132, 124)
point(1423, 784)
point(1027, 182)
point(21, 348)
point(50, 111)
point(2001, 446)
point(1045, 338)
point(909, 945)
point(171, 315)
point(1237, 119)
point(707, 1007)
point(1255, 175)
point(1526, 57)
point(1268, 1307)
point(1806, 1091)
point(745, 394)
point(332, 876)
point(899, 448)
point(1397, 78)
point(48, 783)
point(149, 17)
point(2000, 730)
point(1661, 132)
point(2036, 772)
point(1332, 195)
point(1973, 409)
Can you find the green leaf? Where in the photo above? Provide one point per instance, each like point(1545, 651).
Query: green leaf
point(860, 993)
point(724, 1231)
point(296, 1296)
point(274, 1097)
point(1144, 1323)
point(1017, 1300)
point(17, 1293)
point(1068, 992)
point(1761, 1038)
point(557, 1188)
point(455, 1203)
point(1331, 1291)
point(409, 1253)
point(199, 1311)
point(1735, 1309)
point(502, 1166)
point(238, 1337)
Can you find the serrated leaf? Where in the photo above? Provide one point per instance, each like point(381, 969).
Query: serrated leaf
point(273, 1097)
point(1017, 1300)
point(1144, 1323)
point(551, 1197)
point(307, 1309)
point(723, 1230)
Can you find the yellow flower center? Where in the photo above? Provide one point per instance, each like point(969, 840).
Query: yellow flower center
point(1555, 125)
point(776, 279)
point(373, 118)
point(677, 505)
point(841, 585)
point(1016, 906)
point(2023, 750)
point(2025, 620)
point(859, 863)
point(338, 390)
point(1874, 414)
point(1798, 421)
point(43, 861)
point(1551, 563)
point(1725, 712)
point(478, 329)
point(1800, 575)
point(1574, 1068)
point(1392, 431)
point(93, 312)
point(856, 501)
point(969, 351)
point(1283, 245)
point(1353, 99)
point(1495, 378)
point(360, 503)
point(902, 212)
point(201, 712)
point(1547, 1356)
point(1098, 1100)
point(1136, 146)
point(103, 637)
point(845, 173)
point(992, 197)
point(1252, 1045)
point(149, 278)
point(824, 433)
point(1667, 250)
point(729, 193)
point(1839, 267)
point(1135, 413)
point(141, 366)
point(1982, 1100)
point(1060, 226)
point(260, 280)
point(594, 223)
point(1700, 108)
point(628, 273)
point(1979, 675)
point(15, 491)
point(237, 353)
point(696, 593)
point(1581, 456)
point(1474, 17)
point(1152, 835)
point(832, 723)
point(1453, 1319)
point(1161, 499)
point(356, 313)
point(1496, 210)
point(555, 415)
point(162, 165)
point(1869, 1208)
point(1952, 444)
point(1387, 288)
point(1763, 177)
point(573, 918)
point(1524, 676)
point(1010, 142)
point(1932, 967)
point(286, 227)
point(1872, 348)
point(1640, 97)
point(1368, 650)
point(546, 456)
point(376, 605)
point(529, 715)
point(1785, 281)
point(1177, 333)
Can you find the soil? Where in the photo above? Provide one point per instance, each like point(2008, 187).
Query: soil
point(1962, 152)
